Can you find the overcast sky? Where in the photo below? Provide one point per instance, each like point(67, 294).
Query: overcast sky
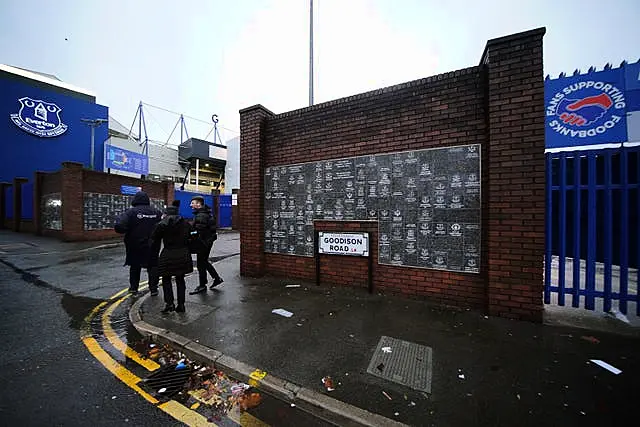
point(201, 57)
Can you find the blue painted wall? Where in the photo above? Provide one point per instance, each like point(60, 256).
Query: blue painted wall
point(22, 153)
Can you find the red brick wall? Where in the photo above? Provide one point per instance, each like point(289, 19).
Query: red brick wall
point(72, 181)
point(516, 177)
point(498, 104)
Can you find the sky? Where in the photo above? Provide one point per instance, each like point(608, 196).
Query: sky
point(204, 57)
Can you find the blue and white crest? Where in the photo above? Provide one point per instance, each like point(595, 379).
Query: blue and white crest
point(39, 118)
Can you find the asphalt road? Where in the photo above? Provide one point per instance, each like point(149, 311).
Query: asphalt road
point(48, 376)
point(66, 330)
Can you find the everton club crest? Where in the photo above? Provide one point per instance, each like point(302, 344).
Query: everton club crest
point(39, 118)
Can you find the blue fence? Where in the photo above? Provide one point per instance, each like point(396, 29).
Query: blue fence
point(224, 210)
point(592, 228)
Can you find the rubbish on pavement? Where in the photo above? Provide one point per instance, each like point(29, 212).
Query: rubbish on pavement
point(114, 397)
point(380, 367)
point(518, 396)
point(195, 405)
point(615, 313)
point(396, 413)
point(282, 312)
point(239, 388)
point(328, 383)
point(152, 345)
point(351, 335)
point(258, 375)
point(592, 340)
point(386, 395)
point(298, 324)
point(412, 403)
point(180, 366)
point(386, 349)
point(346, 374)
point(250, 401)
point(606, 366)
point(461, 376)
point(292, 286)
point(162, 390)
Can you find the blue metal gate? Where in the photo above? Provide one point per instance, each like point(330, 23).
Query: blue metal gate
point(592, 228)
point(224, 210)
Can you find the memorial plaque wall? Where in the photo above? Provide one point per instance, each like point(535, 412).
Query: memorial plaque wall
point(102, 210)
point(426, 202)
point(52, 211)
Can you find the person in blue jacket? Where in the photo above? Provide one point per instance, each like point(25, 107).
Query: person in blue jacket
point(137, 223)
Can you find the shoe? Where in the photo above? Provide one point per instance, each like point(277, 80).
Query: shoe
point(180, 308)
point(154, 293)
point(216, 282)
point(168, 308)
point(133, 291)
point(199, 289)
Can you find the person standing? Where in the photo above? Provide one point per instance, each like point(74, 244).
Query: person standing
point(137, 224)
point(173, 232)
point(204, 226)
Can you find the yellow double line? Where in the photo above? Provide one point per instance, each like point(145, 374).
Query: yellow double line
point(171, 407)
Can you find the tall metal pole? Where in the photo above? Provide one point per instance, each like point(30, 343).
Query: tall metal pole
point(311, 52)
point(140, 124)
point(93, 131)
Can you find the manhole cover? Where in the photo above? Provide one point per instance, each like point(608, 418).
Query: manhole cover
point(167, 381)
point(402, 362)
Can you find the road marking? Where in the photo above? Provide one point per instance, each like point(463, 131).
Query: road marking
point(171, 407)
point(116, 369)
point(184, 414)
point(115, 340)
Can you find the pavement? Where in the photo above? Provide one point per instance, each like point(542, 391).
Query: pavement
point(484, 371)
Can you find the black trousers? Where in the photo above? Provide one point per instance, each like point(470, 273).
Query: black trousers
point(134, 277)
point(167, 289)
point(204, 266)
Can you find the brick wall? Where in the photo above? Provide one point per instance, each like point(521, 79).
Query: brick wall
point(497, 104)
point(72, 181)
point(517, 176)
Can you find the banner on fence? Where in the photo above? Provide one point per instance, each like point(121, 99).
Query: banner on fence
point(599, 107)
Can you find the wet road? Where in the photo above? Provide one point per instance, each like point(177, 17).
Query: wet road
point(48, 376)
point(68, 356)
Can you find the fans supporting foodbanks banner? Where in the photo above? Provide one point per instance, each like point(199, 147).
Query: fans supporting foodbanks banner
point(593, 108)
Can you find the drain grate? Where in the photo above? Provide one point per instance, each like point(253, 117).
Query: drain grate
point(402, 362)
point(167, 378)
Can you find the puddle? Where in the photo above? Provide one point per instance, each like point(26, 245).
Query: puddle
point(78, 307)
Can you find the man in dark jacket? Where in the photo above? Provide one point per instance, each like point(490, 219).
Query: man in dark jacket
point(204, 224)
point(137, 224)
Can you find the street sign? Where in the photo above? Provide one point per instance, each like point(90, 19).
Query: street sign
point(355, 244)
point(129, 190)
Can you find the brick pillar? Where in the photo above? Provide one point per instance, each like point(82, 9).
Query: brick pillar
point(17, 202)
point(72, 201)
point(515, 85)
point(169, 192)
point(3, 203)
point(251, 198)
point(38, 177)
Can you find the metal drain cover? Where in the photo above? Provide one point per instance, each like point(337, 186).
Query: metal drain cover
point(402, 362)
point(167, 379)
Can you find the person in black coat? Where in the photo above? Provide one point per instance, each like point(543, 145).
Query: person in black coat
point(137, 224)
point(204, 224)
point(175, 259)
